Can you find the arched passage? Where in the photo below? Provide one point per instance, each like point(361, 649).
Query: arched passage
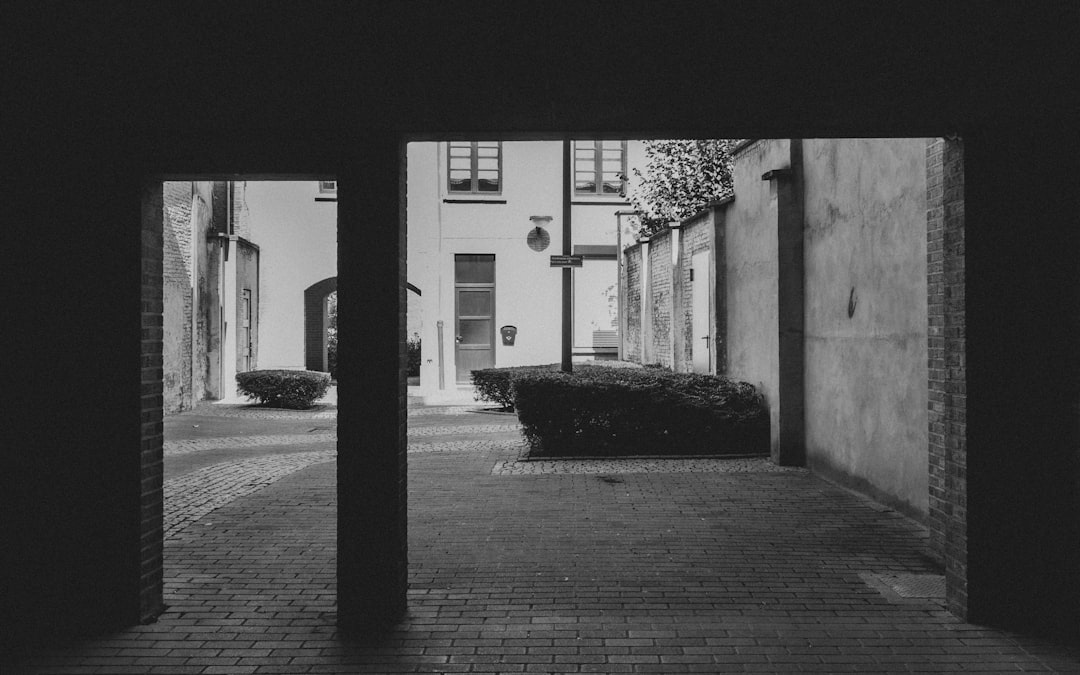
point(315, 323)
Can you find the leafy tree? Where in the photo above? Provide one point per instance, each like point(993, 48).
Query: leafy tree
point(331, 333)
point(681, 177)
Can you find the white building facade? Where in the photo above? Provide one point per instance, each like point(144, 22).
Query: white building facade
point(484, 219)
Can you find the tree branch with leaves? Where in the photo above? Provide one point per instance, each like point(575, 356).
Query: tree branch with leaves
point(680, 178)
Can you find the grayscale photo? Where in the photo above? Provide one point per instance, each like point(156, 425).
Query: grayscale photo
point(541, 337)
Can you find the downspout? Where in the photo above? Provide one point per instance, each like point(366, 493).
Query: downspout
point(438, 266)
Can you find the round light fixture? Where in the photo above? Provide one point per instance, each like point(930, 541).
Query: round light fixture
point(539, 239)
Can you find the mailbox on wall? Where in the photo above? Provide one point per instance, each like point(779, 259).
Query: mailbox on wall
point(509, 333)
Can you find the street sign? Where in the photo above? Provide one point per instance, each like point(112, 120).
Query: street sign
point(566, 260)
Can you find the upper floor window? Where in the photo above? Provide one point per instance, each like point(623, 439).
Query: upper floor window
point(328, 187)
point(475, 166)
point(599, 167)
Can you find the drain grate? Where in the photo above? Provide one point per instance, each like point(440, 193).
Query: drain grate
point(908, 585)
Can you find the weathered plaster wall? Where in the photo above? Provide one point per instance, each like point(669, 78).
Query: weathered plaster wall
point(866, 321)
point(751, 272)
point(297, 239)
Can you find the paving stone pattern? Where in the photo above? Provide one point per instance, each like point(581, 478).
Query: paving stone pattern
point(250, 412)
point(182, 447)
point(445, 430)
point(606, 567)
point(193, 495)
point(619, 466)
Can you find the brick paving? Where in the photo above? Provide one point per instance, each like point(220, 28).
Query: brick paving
point(640, 465)
point(597, 566)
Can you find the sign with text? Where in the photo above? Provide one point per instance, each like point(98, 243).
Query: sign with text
point(566, 260)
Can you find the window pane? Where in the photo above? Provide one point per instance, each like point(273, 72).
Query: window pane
point(474, 303)
point(472, 268)
point(584, 166)
point(609, 154)
point(460, 185)
point(612, 187)
point(460, 150)
point(459, 163)
point(475, 331)
point(612, 166)
point(617, 145)
point(585, 186)
point(488, 163)
point(487, 185)
point(488, 152)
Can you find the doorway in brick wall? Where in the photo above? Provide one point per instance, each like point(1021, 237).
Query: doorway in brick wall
point(239, 261)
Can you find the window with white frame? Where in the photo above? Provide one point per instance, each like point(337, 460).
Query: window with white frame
point(474, 167)
point(328, 187)
point(599, 167)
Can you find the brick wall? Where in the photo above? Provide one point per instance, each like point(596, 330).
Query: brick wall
point(632, 306)
point(176, 272)
point(241, 214)
point(660, 298)
point(151, 494)
point(947, 366)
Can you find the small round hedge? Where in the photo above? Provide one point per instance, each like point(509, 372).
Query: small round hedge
point(295, 389)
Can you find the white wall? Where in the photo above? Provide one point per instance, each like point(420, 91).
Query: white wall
point(527, 289)
point(297, 240)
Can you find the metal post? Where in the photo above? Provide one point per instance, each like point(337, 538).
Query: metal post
point(567, 249)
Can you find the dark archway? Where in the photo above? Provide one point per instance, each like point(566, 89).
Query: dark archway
point(315, 323)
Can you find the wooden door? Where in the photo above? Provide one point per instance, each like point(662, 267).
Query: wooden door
point(474, 330)
point(701, 304)
point(474, 314)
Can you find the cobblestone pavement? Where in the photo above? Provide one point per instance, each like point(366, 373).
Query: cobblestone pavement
point(626, 566)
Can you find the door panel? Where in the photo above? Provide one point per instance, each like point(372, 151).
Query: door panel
point(474, 303)
point(474, 330)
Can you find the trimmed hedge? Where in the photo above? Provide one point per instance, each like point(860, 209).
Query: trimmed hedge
point(615, 411)
point(494, 384)
point(296, 389)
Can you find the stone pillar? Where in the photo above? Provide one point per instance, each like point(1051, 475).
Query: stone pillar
point(718, 274)
point(790, 449)
point(372, 497)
